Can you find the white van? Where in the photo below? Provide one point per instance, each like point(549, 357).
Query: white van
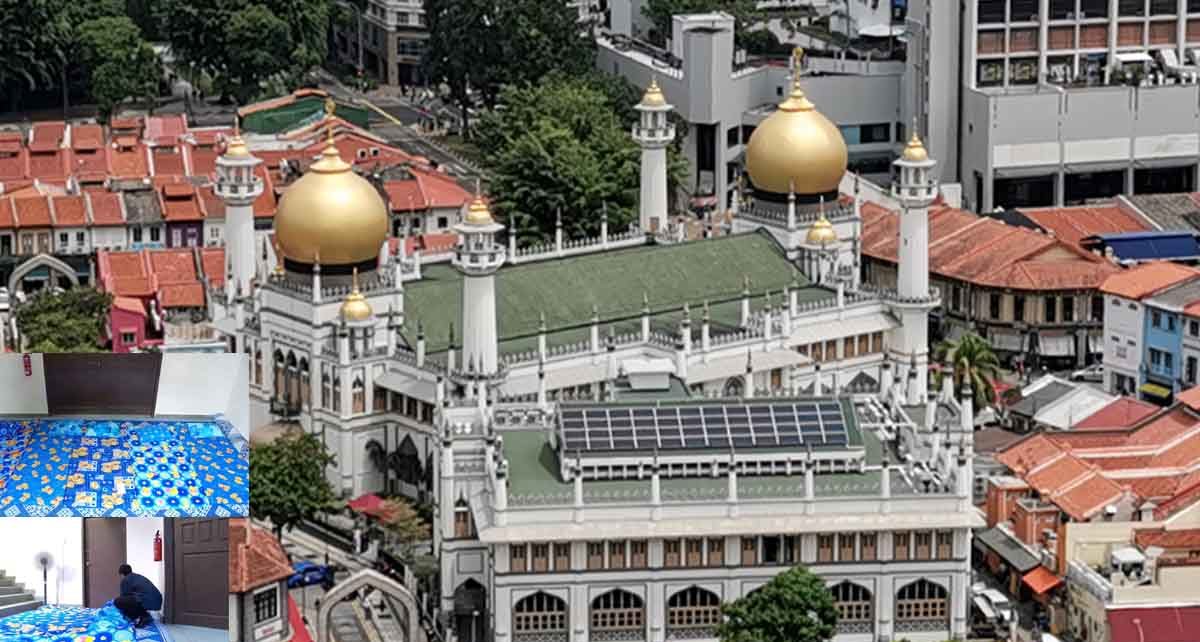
point(1000, 604)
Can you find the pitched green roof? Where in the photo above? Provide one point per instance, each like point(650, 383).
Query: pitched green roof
point(566, 289)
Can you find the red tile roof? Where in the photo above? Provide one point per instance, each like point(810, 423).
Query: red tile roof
point(181, 295)
point(180, 203)
point(69, 211)
point(427, 189)
point(212, 260)
point(32, 211)
point(165, 130)
point(7, 221)
point(1190, 398)
point(132, 124)
point(125, 273)
point(128, 157)
point(129, 304)
point(1072, 224)
point(106, 208)
point(169, 160)
point(1144, 280)
point(47, 134)
point(170, 275)
point(13, 156)
point(1124, 412)
point(176, 265)
point(87, 137)
point(281, 101)
point(255, 557)
point(987, 252)
point(1155, 624)
point(1188, 538)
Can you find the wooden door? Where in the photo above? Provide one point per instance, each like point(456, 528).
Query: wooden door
point(108, 384)
point(198, 572)
point(103, 553)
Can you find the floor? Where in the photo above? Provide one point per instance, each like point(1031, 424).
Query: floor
point(74, 624)
point(122, 468)
point(184, 633)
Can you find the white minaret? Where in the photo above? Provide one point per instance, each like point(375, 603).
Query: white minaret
point(478, 256)
point(915, 190)
point(237, 185)
point(654, 132)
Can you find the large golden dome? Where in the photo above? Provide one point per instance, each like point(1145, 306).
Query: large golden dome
point(331, 215)
point(796, 148)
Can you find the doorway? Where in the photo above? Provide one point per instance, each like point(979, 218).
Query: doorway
point(109, 384)
point(198, 572)
point(103, 551)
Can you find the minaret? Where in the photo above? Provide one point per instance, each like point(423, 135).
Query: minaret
point(237, 185)
point(915, 190)
point(653, 132)
point(478, 256)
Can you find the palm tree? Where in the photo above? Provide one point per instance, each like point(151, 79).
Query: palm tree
point(972, 356)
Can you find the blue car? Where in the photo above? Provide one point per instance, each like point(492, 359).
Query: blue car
point(307, 573)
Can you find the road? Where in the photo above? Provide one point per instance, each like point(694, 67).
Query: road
point(348, 624)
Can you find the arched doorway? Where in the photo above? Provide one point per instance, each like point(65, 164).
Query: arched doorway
point(367, 578)
point(405, 461)
point(56, 269)
point(376, 456)
point(540, 616)
point(922, 606)
point(855, 606)
point(693, 613)
point(470, 611)
point(617, 615)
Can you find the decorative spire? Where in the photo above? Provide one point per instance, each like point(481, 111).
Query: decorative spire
point(654, 96)
point(355, 306)
point(278, 259)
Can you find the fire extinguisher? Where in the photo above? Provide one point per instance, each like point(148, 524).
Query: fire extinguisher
point(157, 546)
point(28, 361)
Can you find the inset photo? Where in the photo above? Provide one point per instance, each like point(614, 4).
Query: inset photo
point(114, 580)
point(124, 435)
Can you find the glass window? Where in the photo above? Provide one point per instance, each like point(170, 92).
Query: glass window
point(876, 133)
point(266, 605)
point(716, 551)
point(1018, 307)
point(519, 559)
point(994, 306)
point(671, 553)
point(1050, 305)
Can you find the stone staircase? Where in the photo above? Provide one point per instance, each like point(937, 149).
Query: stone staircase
point(14, 598)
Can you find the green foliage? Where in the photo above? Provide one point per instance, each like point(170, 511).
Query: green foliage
point(70, 321)
point(31, 48)
point(258, 49)
point(403, 526)
point(972, 356)
point(483, 46)
point(795, 606)
point(122, 65)
point(745, 12)
point(288, 483)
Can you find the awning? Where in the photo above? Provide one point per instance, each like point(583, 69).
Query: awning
point(810, 333)
point(735, 365)
point(1097, 167)
point(1028, 171)
point(1155, 390)
point(367, 503)
point(1057, 346)
point(880, 31)
point(424, 390)
point(1009, 550)
point(1174, 162)
point(1006, 341)
point(1041, 580)
point(1139, 56)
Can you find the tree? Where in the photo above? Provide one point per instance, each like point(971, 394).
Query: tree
point(258, 49)
point(68, 321)
point(122, 64)
point(404, 527)
point(795, 606)
point(289, 480)
point(30, 51)
point(972, 356)
point(660, 12)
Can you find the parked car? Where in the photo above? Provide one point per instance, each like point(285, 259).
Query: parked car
point(1094, 372)
point(306, 573)
point(1000, 604)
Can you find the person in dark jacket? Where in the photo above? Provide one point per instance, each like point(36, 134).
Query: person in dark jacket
point(138, 597)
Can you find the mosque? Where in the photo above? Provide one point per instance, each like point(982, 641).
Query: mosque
point(618, 434)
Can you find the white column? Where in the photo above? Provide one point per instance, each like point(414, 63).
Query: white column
point(479, 338)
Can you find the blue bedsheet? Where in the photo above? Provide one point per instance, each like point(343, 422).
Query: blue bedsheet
point(75, 624)
point(122, 468)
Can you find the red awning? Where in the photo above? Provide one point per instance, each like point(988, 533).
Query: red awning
point(1041, 580)
point(299, 630)
point(368, 503)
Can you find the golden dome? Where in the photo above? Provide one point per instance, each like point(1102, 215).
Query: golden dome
point(478, 213)
point(796, 148)
point(236, 148)
point(915, 151)
point(355, 306)
point(654, 96)
point(822, 232)
point(331, 213)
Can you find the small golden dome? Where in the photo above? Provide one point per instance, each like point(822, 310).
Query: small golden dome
point(355, 306)
point(331, 213)
point(236, 148)
point(478, 213)
point(796, 148)
point(654, 96)
point(822, 232)
point(915, 151)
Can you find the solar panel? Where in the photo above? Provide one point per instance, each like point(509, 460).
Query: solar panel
point(758, 424)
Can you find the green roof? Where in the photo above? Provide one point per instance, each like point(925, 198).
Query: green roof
point(566, 289)
point(298, 113)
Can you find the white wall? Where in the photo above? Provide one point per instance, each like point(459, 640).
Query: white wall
point(1121, 327)
point(139, 550)
point(206, 384)
point(62, 537)
point(21, 395)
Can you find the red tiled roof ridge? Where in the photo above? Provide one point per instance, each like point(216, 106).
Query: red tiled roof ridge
point(257, 558)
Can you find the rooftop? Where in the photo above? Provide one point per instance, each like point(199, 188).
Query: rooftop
point(1170, 211)
point(1146, 279)
point(1073, 224)
point(255, 557)
point(1121, 413)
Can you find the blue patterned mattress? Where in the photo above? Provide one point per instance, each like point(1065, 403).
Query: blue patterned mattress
point(75, 624)
point(123, 468)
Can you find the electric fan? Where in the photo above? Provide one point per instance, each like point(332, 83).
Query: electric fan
point(44, 561)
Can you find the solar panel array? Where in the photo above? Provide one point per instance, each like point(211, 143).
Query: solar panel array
point(750, 425)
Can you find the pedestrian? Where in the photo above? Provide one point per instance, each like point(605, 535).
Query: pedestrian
point(357, 540)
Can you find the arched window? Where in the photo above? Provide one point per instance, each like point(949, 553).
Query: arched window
point(293, 380)
point(406, 462)
point(464, 523)
point(325, 388)
point(733, 387)
point(693, 613)
point(856, 609)
point(922, 606)
point(618, 610)
point(279, 374)
point(543, 614)
point(337, 392)
point(359, 395)
point(258, 367)
point(305, 384)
